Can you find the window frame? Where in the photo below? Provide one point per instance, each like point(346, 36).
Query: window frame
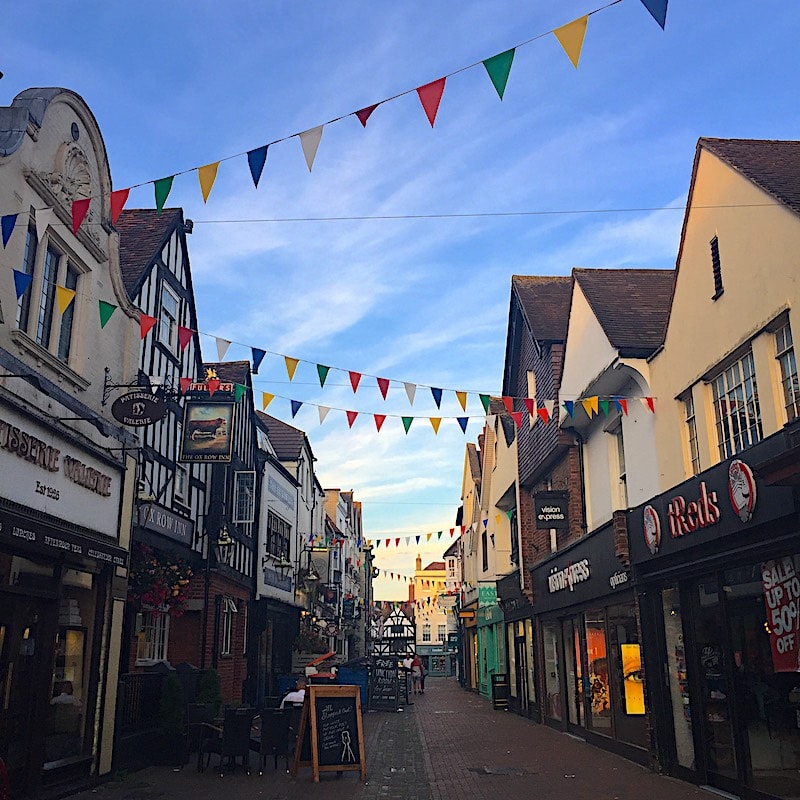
point(227, 627)
point(240, 488)
point(154, 636)
point(690, 431)
point(164, 315)
point(787, 366)
point(426, 632)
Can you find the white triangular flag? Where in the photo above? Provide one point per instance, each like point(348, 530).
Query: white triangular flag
point(411, 391)
point(155, 381)
point(44, 217)
point(310, 142)
point(222, 348)
point(323, 412)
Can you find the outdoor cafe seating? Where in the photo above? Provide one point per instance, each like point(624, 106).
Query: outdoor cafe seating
point(230, 741)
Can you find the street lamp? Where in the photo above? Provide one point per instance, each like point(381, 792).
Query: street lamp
point(280, 564)
point(223, 545)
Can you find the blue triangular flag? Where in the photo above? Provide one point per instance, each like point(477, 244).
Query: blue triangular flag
point(417, 539)
point(437, 396)
point(658, 8)
point(296, 406)
point(258, 357)
point(256, 159)
point(569, 407)
point(21, 282)
point(462, 421)
point(7, 224)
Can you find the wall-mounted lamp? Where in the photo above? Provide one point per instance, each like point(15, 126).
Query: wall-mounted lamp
point(311, 578)
point(223, 545)
point(282, 564)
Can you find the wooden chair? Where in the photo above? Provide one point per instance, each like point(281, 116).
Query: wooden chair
point(231, 741)
point(274, 736)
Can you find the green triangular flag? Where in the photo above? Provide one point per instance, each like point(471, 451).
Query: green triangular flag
point(439, 535)
point(106, 310)
point(498, 68)
point(407, 422)
point(485, 401)
point(240, 390)
point(604, 406)
point(323, 373)
point(163, 186)
point(510, 513)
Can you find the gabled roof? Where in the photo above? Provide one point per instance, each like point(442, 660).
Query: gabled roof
point(287, 440)
point(772, 165)
point(474, 462)
point(631, 305)
point(143, 232)
point(231, 371)
point(435, 566)
point(545, 303)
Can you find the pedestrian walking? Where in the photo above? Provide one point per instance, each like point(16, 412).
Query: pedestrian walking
point(416, 674)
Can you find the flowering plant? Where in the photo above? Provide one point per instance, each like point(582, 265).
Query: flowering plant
point(158, 579)
point(308, 641)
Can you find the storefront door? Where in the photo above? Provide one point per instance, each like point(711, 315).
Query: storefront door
point(26, 656)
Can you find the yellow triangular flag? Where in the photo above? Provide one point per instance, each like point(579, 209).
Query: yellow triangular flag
point(571, 38)
point(590, 406)
point(207, 176)
point(436, 422)
point(291, 365)
point(428, 537)
point(266, 399)
point(462, 398)
point(64, 297)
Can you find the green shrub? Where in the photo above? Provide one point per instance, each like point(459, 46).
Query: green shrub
point(209, 689)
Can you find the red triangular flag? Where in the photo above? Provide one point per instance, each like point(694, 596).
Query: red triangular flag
point(185, 384)
point(118, 200)
point(364, 114)
point(379, 420)
point(383, 385)
point(184, 336)
point(213, 385)
point(430, 95)
point(146, 325)
point(355, 377)
point(517, 417)
point(508, 402)
point(544, 414)
point(397, 542)
point(529, 404)
point(351, 417)
point(650, 404)
point(79, 210)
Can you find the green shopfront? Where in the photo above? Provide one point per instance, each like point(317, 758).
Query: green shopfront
point(491, 641)
point(717, 559)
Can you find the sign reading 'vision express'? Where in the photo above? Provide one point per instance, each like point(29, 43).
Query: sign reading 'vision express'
point(384, 684)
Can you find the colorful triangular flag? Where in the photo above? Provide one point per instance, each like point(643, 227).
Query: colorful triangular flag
point(379, 420)
point(590, 406)
point(162, 188)
point(258, 357)
point(64, 297)
point(106, 310)
point(146, 324)
point(411, 391)
point(383, 385)
point(118, 200)
point(207, 175)
point(184, 383)
point(222, 347)
point(365, 113)
point(658, 8)
point(462, 421)
point(499, 67)
point(291, 366)
point(295, 407)
point(437, 396)
point(485, 402)
point(351, 417)
point(44, 217)
point(355, 378)
point(430, 95)
point(256, 159)
point(266, 399)
point(322, 371)
point(21, 282)
point(7, 223)
point(80, 208)
point(570, 36)
point(462, 399)
point(435, 423)
point(323, 412)
point(407, 422)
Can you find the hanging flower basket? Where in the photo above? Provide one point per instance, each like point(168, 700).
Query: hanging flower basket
point(158, 580)
point(309, 642)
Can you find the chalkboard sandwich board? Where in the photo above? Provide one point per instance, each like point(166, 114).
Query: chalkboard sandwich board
point(384, 684)
point(331, 735)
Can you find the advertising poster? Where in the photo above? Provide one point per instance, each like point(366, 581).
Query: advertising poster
point(633, 684)
point(782, 600)
point(207, 432)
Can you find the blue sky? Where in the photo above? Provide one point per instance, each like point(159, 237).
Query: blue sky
point(177, 85)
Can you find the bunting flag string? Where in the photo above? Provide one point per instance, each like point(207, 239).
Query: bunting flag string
point(571, 37)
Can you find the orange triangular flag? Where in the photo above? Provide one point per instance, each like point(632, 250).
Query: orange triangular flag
point(291, 366)
point(146, 325)
point(379, 420)
point(591, 406)
point(571, 38)
point(64, 297)
point(207, 176)
point(430, 95)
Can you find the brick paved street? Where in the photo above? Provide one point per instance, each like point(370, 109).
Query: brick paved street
point(449, 745)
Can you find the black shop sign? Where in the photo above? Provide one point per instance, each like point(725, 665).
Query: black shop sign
point(384, 684)
point(552, 510)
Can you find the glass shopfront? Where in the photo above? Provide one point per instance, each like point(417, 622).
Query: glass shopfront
point(521, 661)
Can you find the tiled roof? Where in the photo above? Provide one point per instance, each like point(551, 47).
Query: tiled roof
point(772, 165)
point(231, 371)
point(632, 305)
point(545, 303)
point(143, 232)
point(474, 462)
point(435, 566)
point(287, 441)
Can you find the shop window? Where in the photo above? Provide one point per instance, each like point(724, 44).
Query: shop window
point(426, 632)
point(168, 318)
point(736, 409)
point(153, 636)
point(690, 427)
point(573, 671)
point(228, 610)
point(598, 675)
point(788, 367)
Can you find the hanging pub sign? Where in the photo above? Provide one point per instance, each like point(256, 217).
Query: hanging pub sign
point(138, 408)
point(207, 431)
point(551, 509)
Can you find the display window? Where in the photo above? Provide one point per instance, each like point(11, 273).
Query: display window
point(551, 636)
